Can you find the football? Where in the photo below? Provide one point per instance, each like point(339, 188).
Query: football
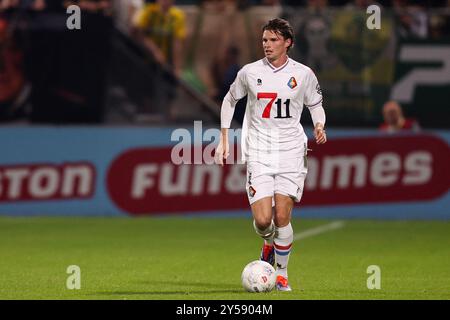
point(258, 276)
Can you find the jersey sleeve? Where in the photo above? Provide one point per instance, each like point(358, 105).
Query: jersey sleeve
point(313, 93)
point(238, 88)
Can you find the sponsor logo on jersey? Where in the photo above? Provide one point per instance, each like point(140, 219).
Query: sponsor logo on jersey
point(259, 82)
point(292, 83)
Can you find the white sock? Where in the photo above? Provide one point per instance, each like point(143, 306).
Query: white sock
point(283, 242)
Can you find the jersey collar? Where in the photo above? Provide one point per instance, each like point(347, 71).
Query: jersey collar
point(279, 68)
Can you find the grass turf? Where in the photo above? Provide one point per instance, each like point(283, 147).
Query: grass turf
point(202, 258)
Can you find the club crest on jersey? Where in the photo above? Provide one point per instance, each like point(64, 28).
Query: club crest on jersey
point(292, 83)
point(251, 191)
point(259, 82)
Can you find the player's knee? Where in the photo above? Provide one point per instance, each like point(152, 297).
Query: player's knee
point(264, 227)
point(282, 220)
point(262, 223)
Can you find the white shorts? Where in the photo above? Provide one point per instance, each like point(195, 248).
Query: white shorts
point(286, 177)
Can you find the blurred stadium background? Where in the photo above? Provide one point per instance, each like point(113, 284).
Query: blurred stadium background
point(87, 118)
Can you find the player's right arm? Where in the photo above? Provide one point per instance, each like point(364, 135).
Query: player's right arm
point(237, 91)
point(223, 149)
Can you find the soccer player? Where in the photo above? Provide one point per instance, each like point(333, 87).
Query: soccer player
point(274, 145)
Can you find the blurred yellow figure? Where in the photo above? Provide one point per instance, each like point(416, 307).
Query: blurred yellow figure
point(162, 28)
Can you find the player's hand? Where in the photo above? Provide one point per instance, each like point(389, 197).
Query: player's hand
point(222, 152)
point(320, 134)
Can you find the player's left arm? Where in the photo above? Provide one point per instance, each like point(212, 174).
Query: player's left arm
point(313, 101)
point(318, 117)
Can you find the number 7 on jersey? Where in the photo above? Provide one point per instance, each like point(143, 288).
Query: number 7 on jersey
point(267, 95)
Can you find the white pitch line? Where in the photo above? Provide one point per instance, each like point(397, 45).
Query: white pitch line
point(318, 230)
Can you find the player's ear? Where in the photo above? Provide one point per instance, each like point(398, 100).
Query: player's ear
point(288, 43)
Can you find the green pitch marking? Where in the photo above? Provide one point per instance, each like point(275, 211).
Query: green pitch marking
point(202, 258)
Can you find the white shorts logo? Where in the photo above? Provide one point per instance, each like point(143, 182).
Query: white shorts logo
point(251, 191)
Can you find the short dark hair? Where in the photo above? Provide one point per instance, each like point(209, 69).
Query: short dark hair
point(281, 27)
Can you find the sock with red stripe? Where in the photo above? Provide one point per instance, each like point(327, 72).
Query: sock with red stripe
point(283, 243)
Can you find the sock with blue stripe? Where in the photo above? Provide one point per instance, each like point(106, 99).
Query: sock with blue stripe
point(283, 243)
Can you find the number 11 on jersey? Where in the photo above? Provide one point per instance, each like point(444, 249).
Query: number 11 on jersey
point(272, 96)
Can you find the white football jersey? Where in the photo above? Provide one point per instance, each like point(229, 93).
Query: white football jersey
point(275, 97)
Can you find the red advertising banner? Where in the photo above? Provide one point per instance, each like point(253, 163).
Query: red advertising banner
point(47, 181)
point(344, 171)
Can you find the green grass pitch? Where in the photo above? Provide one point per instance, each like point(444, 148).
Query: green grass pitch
point(202, 258)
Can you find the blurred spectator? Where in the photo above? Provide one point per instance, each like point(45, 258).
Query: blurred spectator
point(92, 6)
point(224, 72)
point(318, 5)
point(412, 18)
point(361, 4)
point(6, 4)
point(271, 2)
point(12, 77)
point(395, 121)
point(313, 34)
point(124, 11)
point(161, 27)
point(440, 22)
point(36, 5)
point(68, 68)
point(39, 5)
point(220, 26)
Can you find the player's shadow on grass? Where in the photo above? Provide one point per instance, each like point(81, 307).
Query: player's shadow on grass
point(216, 288)
point(188, 284)
point(185, 292)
